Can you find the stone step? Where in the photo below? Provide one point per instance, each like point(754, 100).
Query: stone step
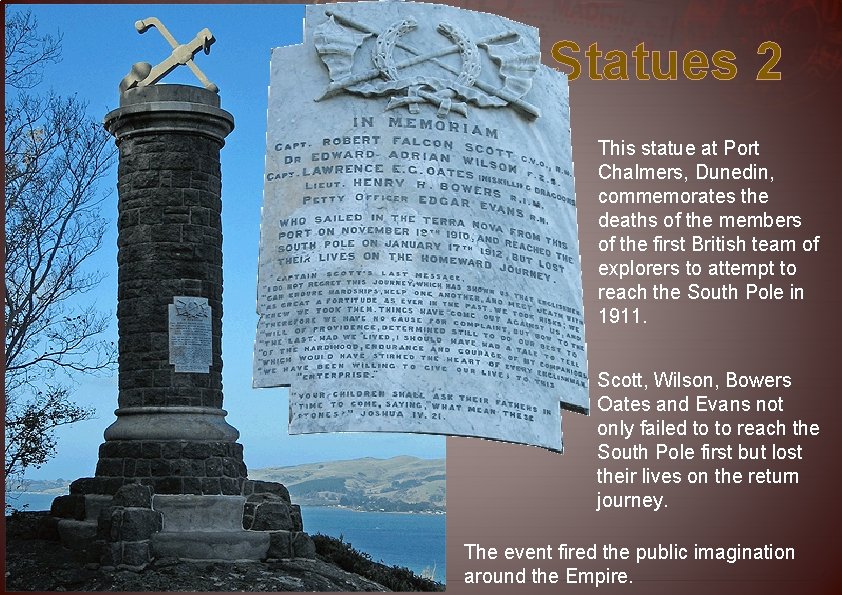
point(94, 503)
point(80, 537)
point(76, 534)
point(211, 545)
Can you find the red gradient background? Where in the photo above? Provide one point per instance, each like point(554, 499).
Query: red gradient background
point(506, 495)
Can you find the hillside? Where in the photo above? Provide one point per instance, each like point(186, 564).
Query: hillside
point(405, 484)
point(399, 484)
point(57, 487)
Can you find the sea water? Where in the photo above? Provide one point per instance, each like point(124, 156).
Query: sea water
point(416, 541)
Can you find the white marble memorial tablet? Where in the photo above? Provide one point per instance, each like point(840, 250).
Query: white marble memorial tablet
point(190, 334)
point(419, 262)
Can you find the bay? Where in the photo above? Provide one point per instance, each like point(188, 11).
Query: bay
point(416, 541)
point(29, 500)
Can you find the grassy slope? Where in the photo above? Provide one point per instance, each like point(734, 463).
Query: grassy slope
point(399, 479)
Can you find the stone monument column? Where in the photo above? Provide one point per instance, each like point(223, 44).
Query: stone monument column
point(171, 430)
point(170, 480)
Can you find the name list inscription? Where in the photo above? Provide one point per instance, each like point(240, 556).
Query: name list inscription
point(418, 273)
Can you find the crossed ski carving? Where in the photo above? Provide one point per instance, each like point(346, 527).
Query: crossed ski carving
point(338, 39)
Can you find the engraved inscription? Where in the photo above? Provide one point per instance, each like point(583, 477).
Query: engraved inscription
point(418, 273)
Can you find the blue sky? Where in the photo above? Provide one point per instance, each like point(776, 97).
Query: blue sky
point(99, 46)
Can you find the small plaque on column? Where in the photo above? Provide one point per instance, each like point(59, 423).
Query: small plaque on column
point(190, 334)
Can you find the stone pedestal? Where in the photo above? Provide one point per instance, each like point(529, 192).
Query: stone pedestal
point(170, 437)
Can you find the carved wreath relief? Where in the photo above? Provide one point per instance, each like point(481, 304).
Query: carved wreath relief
point(338, 39)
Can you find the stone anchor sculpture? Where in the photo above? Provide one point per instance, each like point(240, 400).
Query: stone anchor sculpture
point(143, 74)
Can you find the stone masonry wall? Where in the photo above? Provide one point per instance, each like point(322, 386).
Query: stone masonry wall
point(170, 243)
point(175, 467)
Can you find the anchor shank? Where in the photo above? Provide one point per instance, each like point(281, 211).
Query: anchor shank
point(143, 25)
point(181, 54)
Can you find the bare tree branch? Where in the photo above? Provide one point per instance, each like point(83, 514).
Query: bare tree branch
point(26, 52)
point(55, 157)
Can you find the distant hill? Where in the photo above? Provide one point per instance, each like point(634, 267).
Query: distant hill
point(39, 486)
point(399, 484)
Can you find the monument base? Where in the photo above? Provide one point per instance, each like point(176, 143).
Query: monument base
point(135, 526)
